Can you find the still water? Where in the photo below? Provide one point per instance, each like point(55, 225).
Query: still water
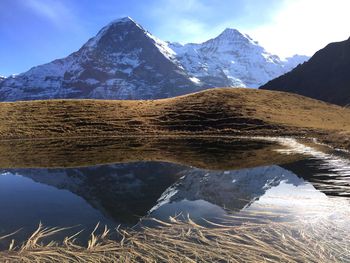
point(125, 183)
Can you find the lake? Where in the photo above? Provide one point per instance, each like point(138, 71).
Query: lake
point(128, 182)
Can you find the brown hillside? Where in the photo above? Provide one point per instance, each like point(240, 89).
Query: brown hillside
point(215, 111)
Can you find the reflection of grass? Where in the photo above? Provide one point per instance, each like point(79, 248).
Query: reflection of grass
point(203, 152)
point(255, 240)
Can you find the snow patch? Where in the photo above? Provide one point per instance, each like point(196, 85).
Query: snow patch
point(163, 47)
point(91, 81)
point(164, 199)
point(195, 80)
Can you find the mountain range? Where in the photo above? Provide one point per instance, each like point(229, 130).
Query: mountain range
point(324, 77)
point(124, 61)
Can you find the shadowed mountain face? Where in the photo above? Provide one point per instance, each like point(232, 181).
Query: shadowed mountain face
point(324, 77)
point(121, 61)
point(124, 61)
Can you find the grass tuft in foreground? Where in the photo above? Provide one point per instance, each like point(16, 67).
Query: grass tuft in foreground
point(256, 240)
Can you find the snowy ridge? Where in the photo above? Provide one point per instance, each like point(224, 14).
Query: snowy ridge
point(233, 59)
point(2, 78)
point(163, 47)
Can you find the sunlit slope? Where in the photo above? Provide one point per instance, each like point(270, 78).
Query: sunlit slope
point(223, 110)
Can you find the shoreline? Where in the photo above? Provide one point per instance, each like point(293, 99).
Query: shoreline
point(336, 141)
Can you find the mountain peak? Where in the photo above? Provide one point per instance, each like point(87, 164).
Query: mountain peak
point(118, 27)
point(126, 19)
point(229, 30)
point(123, 21)
point(231, 33)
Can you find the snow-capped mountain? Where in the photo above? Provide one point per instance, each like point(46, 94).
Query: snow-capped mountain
point(124, 61)
point(296, 60)
point(232, 59)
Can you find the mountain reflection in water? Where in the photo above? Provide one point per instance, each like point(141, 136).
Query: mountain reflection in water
point(129, 193)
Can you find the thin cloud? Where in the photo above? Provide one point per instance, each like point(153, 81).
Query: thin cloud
point(178, 21)
point(198, 20)
point(54, 11)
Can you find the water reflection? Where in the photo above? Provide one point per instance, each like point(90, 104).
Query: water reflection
point(24, 203)
point(251, 176)
point(328, 170)
point(230, 190)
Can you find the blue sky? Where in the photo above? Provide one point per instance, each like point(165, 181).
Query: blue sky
point(37, 31)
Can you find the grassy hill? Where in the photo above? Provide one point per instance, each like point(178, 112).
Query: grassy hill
point(210, 112)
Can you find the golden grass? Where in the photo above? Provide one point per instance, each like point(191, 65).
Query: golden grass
point(255, 240)
point(215, 111)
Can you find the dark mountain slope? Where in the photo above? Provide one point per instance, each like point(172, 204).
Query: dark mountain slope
point(122, 61)
point(326, 76)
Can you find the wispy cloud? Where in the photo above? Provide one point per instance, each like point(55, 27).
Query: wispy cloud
point(198, 20)
point(178, 19)
point(54, 11)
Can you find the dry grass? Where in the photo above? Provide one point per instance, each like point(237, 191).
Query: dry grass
point(255, 240)
point(215, 111)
